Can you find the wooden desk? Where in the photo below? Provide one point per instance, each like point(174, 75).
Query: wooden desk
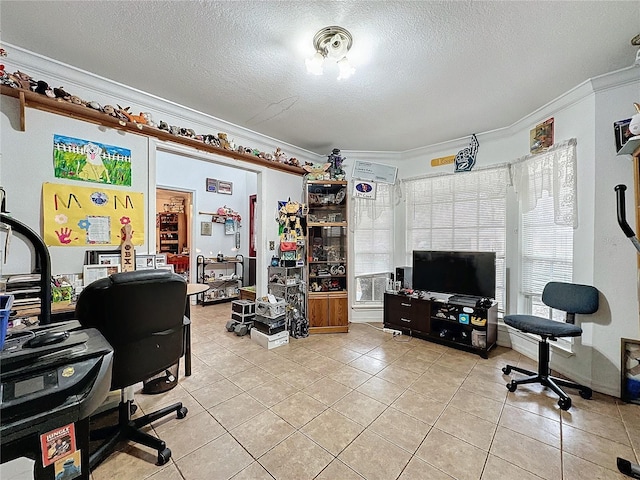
point(192, 289)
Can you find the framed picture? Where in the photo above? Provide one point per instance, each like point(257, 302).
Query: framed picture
point(212, 185)
point(108, 259)
point(205, 229)
point(166, 267)
point(145, 262)
point(229, 226)
point(541, 137)
point(161, 259)
point(630, 370)
point(225, 187)
point(621, 133)
point(91, 273)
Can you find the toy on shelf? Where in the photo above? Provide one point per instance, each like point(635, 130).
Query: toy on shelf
point(317, 171)
point(335, 170)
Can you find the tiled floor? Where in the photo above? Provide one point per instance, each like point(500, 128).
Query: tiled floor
point(364, 405)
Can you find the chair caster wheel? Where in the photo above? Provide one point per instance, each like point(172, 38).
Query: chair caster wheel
point(564, 404)
point(506, 370)
point(241, 330)
point(512, 386)
point(133, 409)
point(586, 393)
point(164, 456)
point(182, 412)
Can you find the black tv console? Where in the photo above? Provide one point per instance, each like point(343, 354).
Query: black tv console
point(470, 328)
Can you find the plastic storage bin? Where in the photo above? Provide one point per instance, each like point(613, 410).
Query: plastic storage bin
point(271, 310)
point(5, 309)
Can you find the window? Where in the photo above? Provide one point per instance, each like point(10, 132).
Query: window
point(546, 188)
point(462, 211)
point(373, 244)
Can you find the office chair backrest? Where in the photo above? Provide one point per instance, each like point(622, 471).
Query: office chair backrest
point(571, 297)
point(141, 315)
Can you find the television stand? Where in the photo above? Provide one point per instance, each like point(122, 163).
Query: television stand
point(466, 327)
point(464, 300)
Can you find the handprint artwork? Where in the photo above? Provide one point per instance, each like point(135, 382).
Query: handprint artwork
point(64, 235)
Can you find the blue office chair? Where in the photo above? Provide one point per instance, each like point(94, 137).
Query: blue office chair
point(570, 298)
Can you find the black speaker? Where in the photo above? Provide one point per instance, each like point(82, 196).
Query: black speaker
point(404, 276)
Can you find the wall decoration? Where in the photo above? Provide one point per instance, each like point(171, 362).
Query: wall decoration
point(364, 190)
point(77, 216)
point(225, 187)
point(541, 137)
point(229, 226)
point(205, 229)
point(436, 162)
point(212, 185)
point(465, 159)
point(109, 259)
point(91, 273)
point(630, 370)
point(84, 160)
point(621, 133)
point(374, 172)
point(145, 262)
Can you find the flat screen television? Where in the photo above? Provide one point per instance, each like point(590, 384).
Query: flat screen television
point(462, 273)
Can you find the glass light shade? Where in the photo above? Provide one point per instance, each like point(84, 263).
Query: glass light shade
point(314, 64)
point(346, 70)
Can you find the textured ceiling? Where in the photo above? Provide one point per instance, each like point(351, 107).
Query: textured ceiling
point(426, 72)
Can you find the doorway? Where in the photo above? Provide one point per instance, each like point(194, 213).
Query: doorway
point(173, 228)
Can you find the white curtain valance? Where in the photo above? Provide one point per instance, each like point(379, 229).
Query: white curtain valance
point(553, 171)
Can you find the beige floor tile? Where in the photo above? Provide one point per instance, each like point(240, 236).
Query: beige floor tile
point(337, 470)
point(605, 426)
point(169, 472)
point(327, 391)
point(300, 377)
point(401, 429)
point(398, 375)
point(190, 433)
point(298, 409)
point(535, 426)
point(343, 354)
point(594, 448)
point(368, 364)
point(598, 403)
point(485, 408)
point(236, 410)
point(420, 470)
point(576, 468)
point(296, 458)
point(387, 463)
point(262, 432)
point(131, 461)
point(349, 376)
point(255, 471)
point(456, 362)
point(453, 456)
point(416, 361)
point(220, 459)
point(435, 386)
point(215, 393)
point(498, 469)
point(479, 386)
point(272, 392)
point(381, 390)
point(531, 455)
point(201, 376)
point(423, 408)
point(386, 353)
point(359, 408)
point(229, 366)
point(536, 400)
point(467, 427)
point(332, 431)
point(251, 378)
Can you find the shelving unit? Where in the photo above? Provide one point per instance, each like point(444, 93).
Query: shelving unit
point(473, 329)
point(327, 241)
point(171, 233)
point(222, 277)
point(288, 283)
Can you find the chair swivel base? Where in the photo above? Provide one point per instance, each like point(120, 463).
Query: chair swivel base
point(545, 379)
point(129, 429)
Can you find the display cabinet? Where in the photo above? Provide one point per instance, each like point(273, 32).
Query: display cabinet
point(327, 245)
point(221, 276)
point(171, 237)
point(288, 283)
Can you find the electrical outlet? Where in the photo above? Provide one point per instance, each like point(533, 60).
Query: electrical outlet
point(392, 330)
point(272, 245)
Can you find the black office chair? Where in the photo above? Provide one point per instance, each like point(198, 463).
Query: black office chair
point(141, 315)
point(570, 298)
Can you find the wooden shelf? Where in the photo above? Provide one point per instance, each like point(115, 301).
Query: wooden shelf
point(631, 145)
point(34, 100)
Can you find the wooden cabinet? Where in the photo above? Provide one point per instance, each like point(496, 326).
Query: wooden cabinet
point(327, 245)
point(466, 327)
point(171, 233)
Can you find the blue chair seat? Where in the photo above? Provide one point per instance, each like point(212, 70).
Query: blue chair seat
point(542, 326)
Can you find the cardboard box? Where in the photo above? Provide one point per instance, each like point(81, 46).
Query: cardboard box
point(270, 341)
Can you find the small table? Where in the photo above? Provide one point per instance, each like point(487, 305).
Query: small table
point(192, 289)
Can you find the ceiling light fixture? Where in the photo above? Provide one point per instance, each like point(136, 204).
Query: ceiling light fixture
point(333, 43)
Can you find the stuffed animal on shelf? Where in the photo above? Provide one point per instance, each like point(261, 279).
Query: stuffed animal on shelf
point(317, 171)
point(280, 156)
point(224, 141)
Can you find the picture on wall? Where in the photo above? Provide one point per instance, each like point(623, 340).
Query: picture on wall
point(212, 185)
point(229, 226)
point(630, 370)
point(87, 161)
point(621, 132)
point(225, 187)
point(205, 229)
point(541, 137)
